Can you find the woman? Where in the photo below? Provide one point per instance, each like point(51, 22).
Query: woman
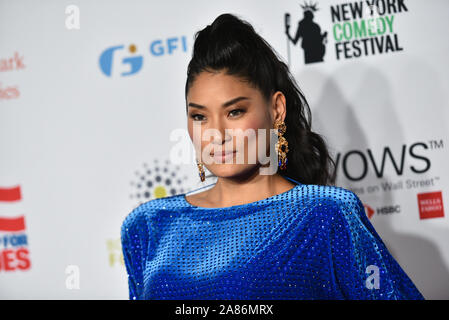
point(255, 234)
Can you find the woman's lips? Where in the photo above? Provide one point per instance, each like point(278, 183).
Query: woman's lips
point(222, 155)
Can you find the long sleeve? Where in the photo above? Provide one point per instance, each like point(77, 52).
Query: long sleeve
point(134, 247)
point(363, 266)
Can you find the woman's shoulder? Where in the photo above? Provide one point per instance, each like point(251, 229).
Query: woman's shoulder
point(329, 207)
point(145, 212)
point(325, 196)
point(328, 192)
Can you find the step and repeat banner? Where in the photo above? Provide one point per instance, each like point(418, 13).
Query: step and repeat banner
point(92, 122)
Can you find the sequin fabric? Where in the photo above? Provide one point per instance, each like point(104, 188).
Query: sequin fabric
point(310, 242)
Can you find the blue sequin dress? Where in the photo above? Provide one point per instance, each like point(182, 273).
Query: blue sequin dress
point(310, 242)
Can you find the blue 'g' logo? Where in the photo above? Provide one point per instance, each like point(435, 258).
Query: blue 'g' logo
point(106, 59)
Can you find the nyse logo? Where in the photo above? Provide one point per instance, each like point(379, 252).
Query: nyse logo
point(129, 62)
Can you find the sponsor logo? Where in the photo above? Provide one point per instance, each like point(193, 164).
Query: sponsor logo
point(430, 205)
point(13, 63)
point(14, 253)
point(384, 210)
point(358, 29)
point(157, 181)
point(129, 62)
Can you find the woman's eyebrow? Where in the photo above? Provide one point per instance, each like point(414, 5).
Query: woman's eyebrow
point(224, 105)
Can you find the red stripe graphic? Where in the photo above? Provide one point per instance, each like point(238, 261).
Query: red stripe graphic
point(10, 194)
point(12, 224)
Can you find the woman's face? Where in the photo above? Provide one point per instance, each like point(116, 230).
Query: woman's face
point(226, 113)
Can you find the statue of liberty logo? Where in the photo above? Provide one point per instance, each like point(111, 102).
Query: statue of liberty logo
point(313, 41)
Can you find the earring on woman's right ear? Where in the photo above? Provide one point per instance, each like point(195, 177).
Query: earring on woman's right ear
point(201, 170)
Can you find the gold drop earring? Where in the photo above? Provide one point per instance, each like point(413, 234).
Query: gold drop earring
point(201, 170)
point(282, 144)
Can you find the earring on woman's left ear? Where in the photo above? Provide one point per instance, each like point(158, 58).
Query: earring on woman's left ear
point(282, 144)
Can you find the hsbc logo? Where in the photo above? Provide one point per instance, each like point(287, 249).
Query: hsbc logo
point(389, 209)
point(384, 210)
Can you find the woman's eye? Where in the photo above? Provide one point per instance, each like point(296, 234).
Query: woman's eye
point(200, 117)
point(197, 117)
point(236, 112)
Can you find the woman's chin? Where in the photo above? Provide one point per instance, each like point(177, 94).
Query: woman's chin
point(229, 170)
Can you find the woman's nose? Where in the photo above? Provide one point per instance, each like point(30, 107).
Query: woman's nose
point(220, 133)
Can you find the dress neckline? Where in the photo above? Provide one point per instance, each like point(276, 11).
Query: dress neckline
point(257, 202)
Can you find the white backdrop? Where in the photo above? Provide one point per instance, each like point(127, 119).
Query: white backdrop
point(83, 142)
